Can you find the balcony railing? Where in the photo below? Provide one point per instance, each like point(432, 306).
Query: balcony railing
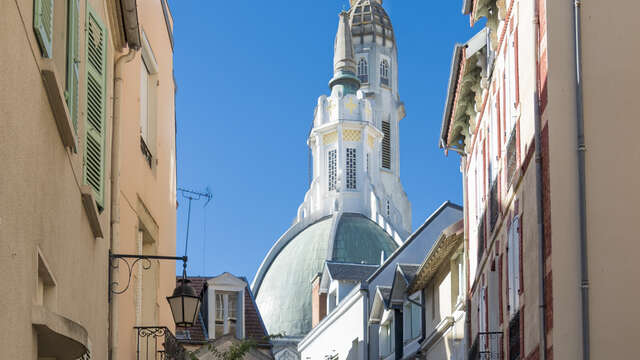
point(158, 343)
point(488, 346)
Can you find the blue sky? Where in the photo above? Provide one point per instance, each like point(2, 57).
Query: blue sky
point(249, 74)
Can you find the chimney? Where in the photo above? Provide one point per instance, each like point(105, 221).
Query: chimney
point(318, 301)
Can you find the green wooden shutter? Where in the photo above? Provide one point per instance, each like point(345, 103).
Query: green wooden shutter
point(94, 154)
point(73, 61)
point(43, 25)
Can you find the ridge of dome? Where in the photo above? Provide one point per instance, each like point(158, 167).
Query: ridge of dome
point(368, 17)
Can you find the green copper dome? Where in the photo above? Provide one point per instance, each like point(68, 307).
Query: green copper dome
point(283, 284)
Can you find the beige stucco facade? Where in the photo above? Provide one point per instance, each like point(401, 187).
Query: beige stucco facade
point(612, 154)
point(50, 257)
point(505, 97)
point(147, 187)
point(55, 229)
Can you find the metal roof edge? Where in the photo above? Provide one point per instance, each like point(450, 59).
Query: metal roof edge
point(424, 225)
point(451, 92)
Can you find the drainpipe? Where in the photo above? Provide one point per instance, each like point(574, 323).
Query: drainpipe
point(115, 195)
point(539, 200)
point(465, 257)
point(584, 268)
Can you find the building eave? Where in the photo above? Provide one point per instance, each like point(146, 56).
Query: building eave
point(456, 62)
point(468, 70)
point(430, 219)
point(130, 23)
point(351, 299)
point(450, 239)
point(467, 6)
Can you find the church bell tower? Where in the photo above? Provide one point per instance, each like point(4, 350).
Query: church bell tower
point(355, 137)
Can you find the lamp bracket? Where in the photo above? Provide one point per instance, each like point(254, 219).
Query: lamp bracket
point(145, 260)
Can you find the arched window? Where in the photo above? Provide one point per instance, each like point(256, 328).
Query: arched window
point(384, 73)
point(363, 71)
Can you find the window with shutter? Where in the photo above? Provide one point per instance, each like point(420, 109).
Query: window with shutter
point(482, 310)
point(386, 145)
point(96, 41)
point(144, 101)
point(73, 61)
point(513, 267)
point(43, 25)
point(406, 319)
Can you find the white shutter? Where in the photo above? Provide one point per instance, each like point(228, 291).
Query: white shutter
point(516, 263)
point(482, 314)
point(513, 254)
point(512, 82)
point(144, 102)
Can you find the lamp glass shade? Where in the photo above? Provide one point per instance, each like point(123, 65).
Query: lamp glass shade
point(184, 304)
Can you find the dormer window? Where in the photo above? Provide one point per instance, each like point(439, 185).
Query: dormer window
point(386, 336)
point(384, 73)
point(363, 71)
point(332, 301)
point(412, 319)
point(225, 306)
point(226, 313)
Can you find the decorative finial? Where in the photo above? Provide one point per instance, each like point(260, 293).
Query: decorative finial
point(344, 64)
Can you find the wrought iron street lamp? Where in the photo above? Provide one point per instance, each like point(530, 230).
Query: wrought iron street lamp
point(184, 302)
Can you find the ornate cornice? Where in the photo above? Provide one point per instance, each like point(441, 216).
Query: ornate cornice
point(444, 248)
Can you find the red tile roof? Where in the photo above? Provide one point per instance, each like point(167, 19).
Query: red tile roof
point(195, 333)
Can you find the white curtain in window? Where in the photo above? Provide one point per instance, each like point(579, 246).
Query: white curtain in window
point(219, 307)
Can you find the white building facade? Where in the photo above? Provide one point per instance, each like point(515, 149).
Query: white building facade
point(355, 135)
point(356, 210)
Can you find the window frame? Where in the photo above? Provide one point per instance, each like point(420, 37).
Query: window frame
point(332, 168)
point(363, 70)
point(351, 168)
point(386, 333)
point(150, 64)
point(225, 303)
point(386, 149)
point(513, 266)
point(385, 72)
point(410, 308)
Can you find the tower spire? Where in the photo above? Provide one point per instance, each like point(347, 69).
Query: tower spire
point(344, 64)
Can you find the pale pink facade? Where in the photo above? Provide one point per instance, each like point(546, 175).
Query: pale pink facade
point(522, 204)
